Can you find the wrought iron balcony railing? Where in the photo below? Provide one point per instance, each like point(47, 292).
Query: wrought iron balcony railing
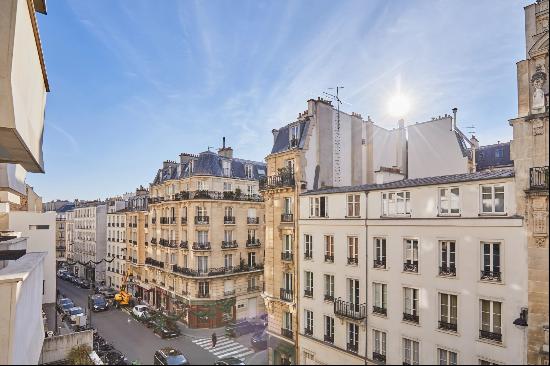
point(449, 271)
point(329, 297)
point(447, 326)
point(229, 220)
point(287, 217)
point(492, 336)
point(379, 357)
point(287, 333)
point(201, 246)
point(410, 267)
point(287, 256)
point(184, 244)
point(491, 275)
point(413, 318)
point(329, 258)
point(308, 331)
point(308, 292)
point(329, 338)
point(283, 179)
point(353, 260)
point(253, 243)
point(353, 347)
point(379, 263)
point(253, 220)
point(350, 310)
point(308, 255)
point(229, 244)
point(202, 220)
point(538, 178)
point(286, 295)
point(380, 310)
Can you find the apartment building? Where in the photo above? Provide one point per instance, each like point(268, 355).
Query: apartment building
point(323, 147)
point(116, 248)
point(205, 241)
point(62, 233)
point(137, 219)
point(332, 291)
point(89, 240)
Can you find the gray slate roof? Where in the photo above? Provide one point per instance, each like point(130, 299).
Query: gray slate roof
point(282, 141)
point(209, 163)
point(66, 207)
point(486, 156)
point(418, 182)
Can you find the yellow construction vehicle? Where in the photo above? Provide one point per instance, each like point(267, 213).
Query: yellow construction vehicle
point(123, 298)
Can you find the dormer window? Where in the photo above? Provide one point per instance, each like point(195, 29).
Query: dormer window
point(294, 135)
point(248, 171)
point(226, 167)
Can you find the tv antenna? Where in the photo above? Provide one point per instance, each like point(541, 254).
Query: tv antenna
point(336, 97)
point(471, 129)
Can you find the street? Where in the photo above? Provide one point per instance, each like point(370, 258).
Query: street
point(139, 343)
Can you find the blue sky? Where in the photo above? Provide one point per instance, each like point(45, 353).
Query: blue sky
point(134, 83)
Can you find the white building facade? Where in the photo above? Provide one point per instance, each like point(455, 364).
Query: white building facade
point(116, 248)
point(446, 271)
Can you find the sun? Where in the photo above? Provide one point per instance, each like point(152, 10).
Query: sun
point(399, 105)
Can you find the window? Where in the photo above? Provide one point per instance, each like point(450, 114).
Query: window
point(318, 206)
point(499, 153)
point(353, 205)
point(449, 203)
point(228, 212)
point(202, 237)
point(226, 166)
point(487, 362)
point(202, 264)
point(379, 253)
point(308, 322)
point(492, 199)
point(410, 255)
point(411, 350)
point(329, 329)
point(447, 258)
point(287, 209)
point(252, 259)
point(227, 187)
point(287, 243)
point(201, 211)
point(252, 235)
point(290, 166)
point(250, 190)
point(251, 213)
point(490, 261)
point(410, 306)
point(353, 293)
point(203, 288)
point(353, 337)
point(491, 320)
point(287, 281)
point(252, 281)
point(308, 291)
point(378, 345)
point(202, 185)
point(353, 250)
point(287, 321)
point(447, 357)
point(294, 135)
point(380, 296)
point(228, 261)
point(248, 171)
point(448, 312)
point(329, 287)
point(396, 203)
point(329, 248)
point(308, 244)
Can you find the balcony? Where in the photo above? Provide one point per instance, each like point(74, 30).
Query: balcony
point(229, 293)
point(447, 271)
point(410, 267)
point(252, 289)
point(203, 295)
point(184, 244)
point(253, 243)
point(329, 258)
point(183, 221)
point(491, 276)
point(452, 327)
point(308, 255)
point(308, 292)
point(285, 178)
point(496, 337)
point(202, 246)
point(202, 220)
point(154, 262)
point(538, 178)
point(379, 263)
point(216, 271)
point(286, 295)
point(353, 260)
point(411, 318)
point(287, 256)
point(229, 244)
point(287, 217)
point(379, 310)
point(308, 331)
point(287, 333)
point(153, 240)
point(329, 297)
point(329, 338)
point(229, 220)
point(350, 310)
point(378, 357)
point(253, 220)
point(353, 347)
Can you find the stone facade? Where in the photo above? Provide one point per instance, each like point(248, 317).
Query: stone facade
point(116, 248)
point(530, 151)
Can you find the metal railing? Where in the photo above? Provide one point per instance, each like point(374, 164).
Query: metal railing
point(379, 310)
point(410, 266)
point(490, 276)
point(411, 318)
point(329, 258)
point(287, 217)
point(308, 292)
point(287, 256)
point(497, 337)
point(202, 246)
point(229, 244)
point(286, 295)
point(253, 220)
point(353, 260)
point(538, 178)
point(283, 179)
point(350, 310)
point(202, 220)
point(379, 263)
point(329, 338)
point(287, 333)
point(447, 326)
point(447, 271)
point(352, 347)
point(253, 243)
point(379, 357)
point(229, 220)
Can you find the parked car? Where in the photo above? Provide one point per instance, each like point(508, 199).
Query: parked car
point(239, 328)
point(167, 331)
point(259, 340)
point(68, 277)
point(97, 303)
point(75, 280)
point(75, 312)
point(66, 307)
point(109, 293)
point(61, 302)
point(84, 283)
point(140, 310)
point(169, 356)
point(229, 361)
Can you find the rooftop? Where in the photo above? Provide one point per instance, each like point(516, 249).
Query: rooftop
point(418, 182)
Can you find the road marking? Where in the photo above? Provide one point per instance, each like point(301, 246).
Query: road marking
point(224, 347)
point(242, 355)
point(234, 349)
point(232, 353)
point(219, 345)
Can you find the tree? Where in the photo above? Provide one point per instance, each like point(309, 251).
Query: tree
point(80, 355)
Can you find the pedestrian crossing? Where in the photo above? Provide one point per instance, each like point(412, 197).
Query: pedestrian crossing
point(225, 347)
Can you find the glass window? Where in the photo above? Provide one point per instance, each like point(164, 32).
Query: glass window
point(491, 316)
point(490, 261)
point(492, 199)
point(411, 301)
point(411, 350)
point(447, 357)
point(379, 342)
point(329, 245)
point(448, 311)
point(308, 244)
point(449, 201)
point(353, 248)
point(329, 328)
point(380, 295)
point(329, 285)
point(379, 252)
point(353, 205)
point(308, 321)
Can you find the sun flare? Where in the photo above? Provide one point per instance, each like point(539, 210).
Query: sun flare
point(399, 105)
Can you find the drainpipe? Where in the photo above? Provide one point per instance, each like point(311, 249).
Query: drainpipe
point(453, 124)
point(366, 275)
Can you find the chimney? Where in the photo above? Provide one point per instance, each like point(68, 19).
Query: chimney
point(275, 133)
point(474, 141)
point(453, 124)
point(226, 152)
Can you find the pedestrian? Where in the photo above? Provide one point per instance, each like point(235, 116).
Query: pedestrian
point(214, 340)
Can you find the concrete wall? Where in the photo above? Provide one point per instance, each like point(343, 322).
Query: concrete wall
point(12, 179)
point(57, 348)
point(39, 240)
point(22, 330)
point(434, 142)
point(22, 87)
